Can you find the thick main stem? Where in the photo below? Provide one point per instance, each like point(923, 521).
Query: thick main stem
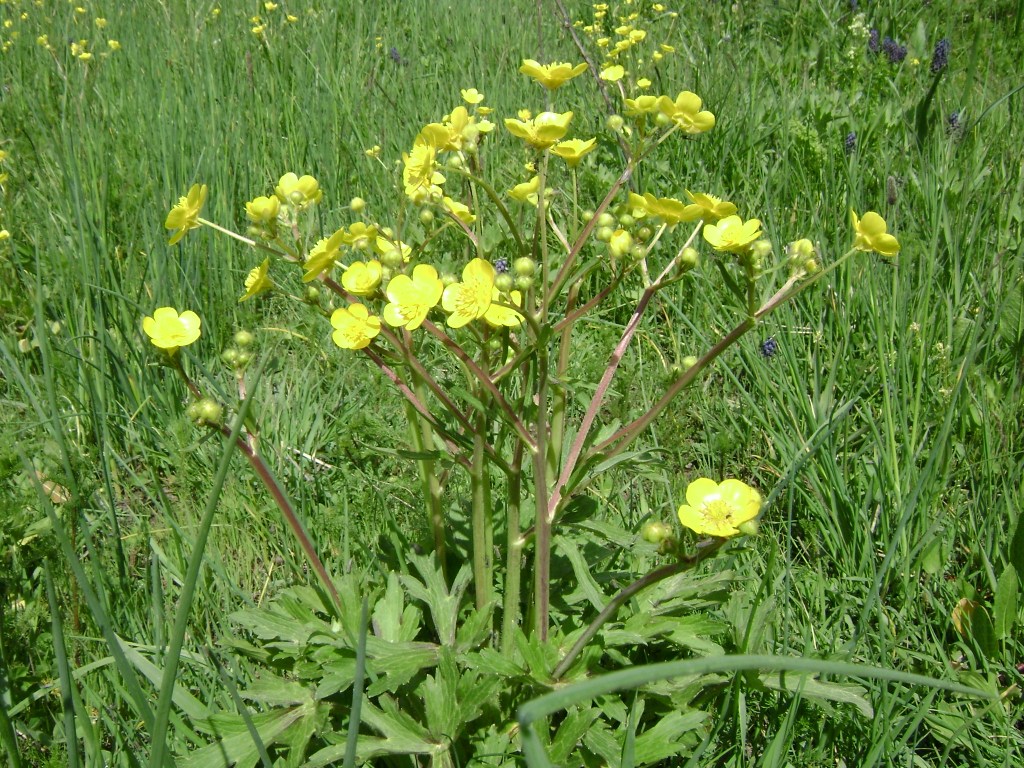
point(514, 550)
point(482, 519)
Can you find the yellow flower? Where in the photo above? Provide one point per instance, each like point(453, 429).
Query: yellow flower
point(719, 509)
point(641, 105)
point(323, 256)
point(707, 207)
point(354, 326)
point(613, 74)
point(686, 112)
point(574, 150)
point(258, 281)
point(420, 174)
point(470, 299)
point(732, 234)
point(411, 298)
point(870, 234)
point(502, 316)
point(362, 278)
point(263, 210)
point(169, 330)
point(551, 76)
point(299, 192)
point(668, 209)
point(113, 45)
point(4, 235)
point(359, 236)
point(185, 215)
point(459, 210)
point(526, 192)
point(471, 95)
point(543, 130)
point(620, 243)
point(383, 246)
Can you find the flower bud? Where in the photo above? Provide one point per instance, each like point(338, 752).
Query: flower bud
point(644, 234)
point(637, 252)
point(688, 362)
point(426, 217)
point(626, 221)
point(749, 528)
point(229, 357)
point(606, 220)
point(587, 214)
point(655, 531)
point(524, 282)
point(690, 258)
point(244, 339)
point(604, 234)
point(449, 279)
point(761, 249)
point(811, 266)
point(209, 411)
point(614, 123)
point(524, 266)
point(662, 120)
point(494, 344)
point(357, 204)
point(454, 161)
point(392, 258)
point(503, 282)
point(243, 358)
point(620, 243)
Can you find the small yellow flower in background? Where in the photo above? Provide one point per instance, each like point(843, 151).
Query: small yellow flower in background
point(459, 210)
point(613, 73)
point(542, 131)
point(113, 45)
point(185, 215)
point(732, 234)
point(719, 509)
point(470, 299)
point(362, 278)
point(504, 317)
point(258, 281)
point(269, 6)
point(373, 151)
point(291, 18)
point(641, 105)
point(620, 243)
point(85, 56)
point(574, 150)
point(870, 234)
point(411, 298)
point(527, 191)
point(263, 210)
point(707, 207)
point(553, 75)
point(471, 95)
point(259, 29)
point(637, 35)
point(686, 112)
point(668, 209)
point(643, 83)
point(298, 192)
point(323, 256)
point(100, 22)
point(169, 330)
point(354, 326)
point(4, 235)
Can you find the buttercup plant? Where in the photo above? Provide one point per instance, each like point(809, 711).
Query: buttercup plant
point(404, 292)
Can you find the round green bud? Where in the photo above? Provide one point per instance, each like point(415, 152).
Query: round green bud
point(357, 204)
point(614, 123)
point(811, 266)
point(637, 252)
point(606, 220)
point(644, 233)
point(604, 234)
point(503, 282)
point(587, 214)
point(674, 372)
point(688, 362)
point(449, 279)
point(229, 357)
point(761, 249)
point(749, 528)
point(244, 339)
point(426, 217)
point(388, 232)
point(243, 358)
point(208, 411)
point(494, 344)
point(655, 531)
point(454, 161)
point(524, 266)
point(386, 273)
point(626, 221)
point(690, 258)
point(391, 259)
point(662, 120)
point(469, 147)
point(312, 294)
point(524, 282)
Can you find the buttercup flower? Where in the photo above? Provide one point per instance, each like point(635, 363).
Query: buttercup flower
point(263, 210)
point(668, 209)
point(686, 112)
point(420, 174)
point(707, 207)
point(258, 281)
point(719, 509)
point(185, 215)
point(323, 256)
point(470, 299)
point(543, 130)
point(620, 243)
point(362, 278)
point(471, 95)
point(870, 234)
point(527, 191)
point(574, 150)
point(359, 236)
point(641, 105)
point(613, 73)
point(551, 76)
point(299, 192)
point(169, 330)
point(354, 326)
point(411, 298)
point(732, 234)
point(498, 316)
point(459, 210)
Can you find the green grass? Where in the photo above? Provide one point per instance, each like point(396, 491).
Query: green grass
point(886, 429)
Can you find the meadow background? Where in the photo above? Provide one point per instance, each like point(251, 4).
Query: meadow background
point(886, 428)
